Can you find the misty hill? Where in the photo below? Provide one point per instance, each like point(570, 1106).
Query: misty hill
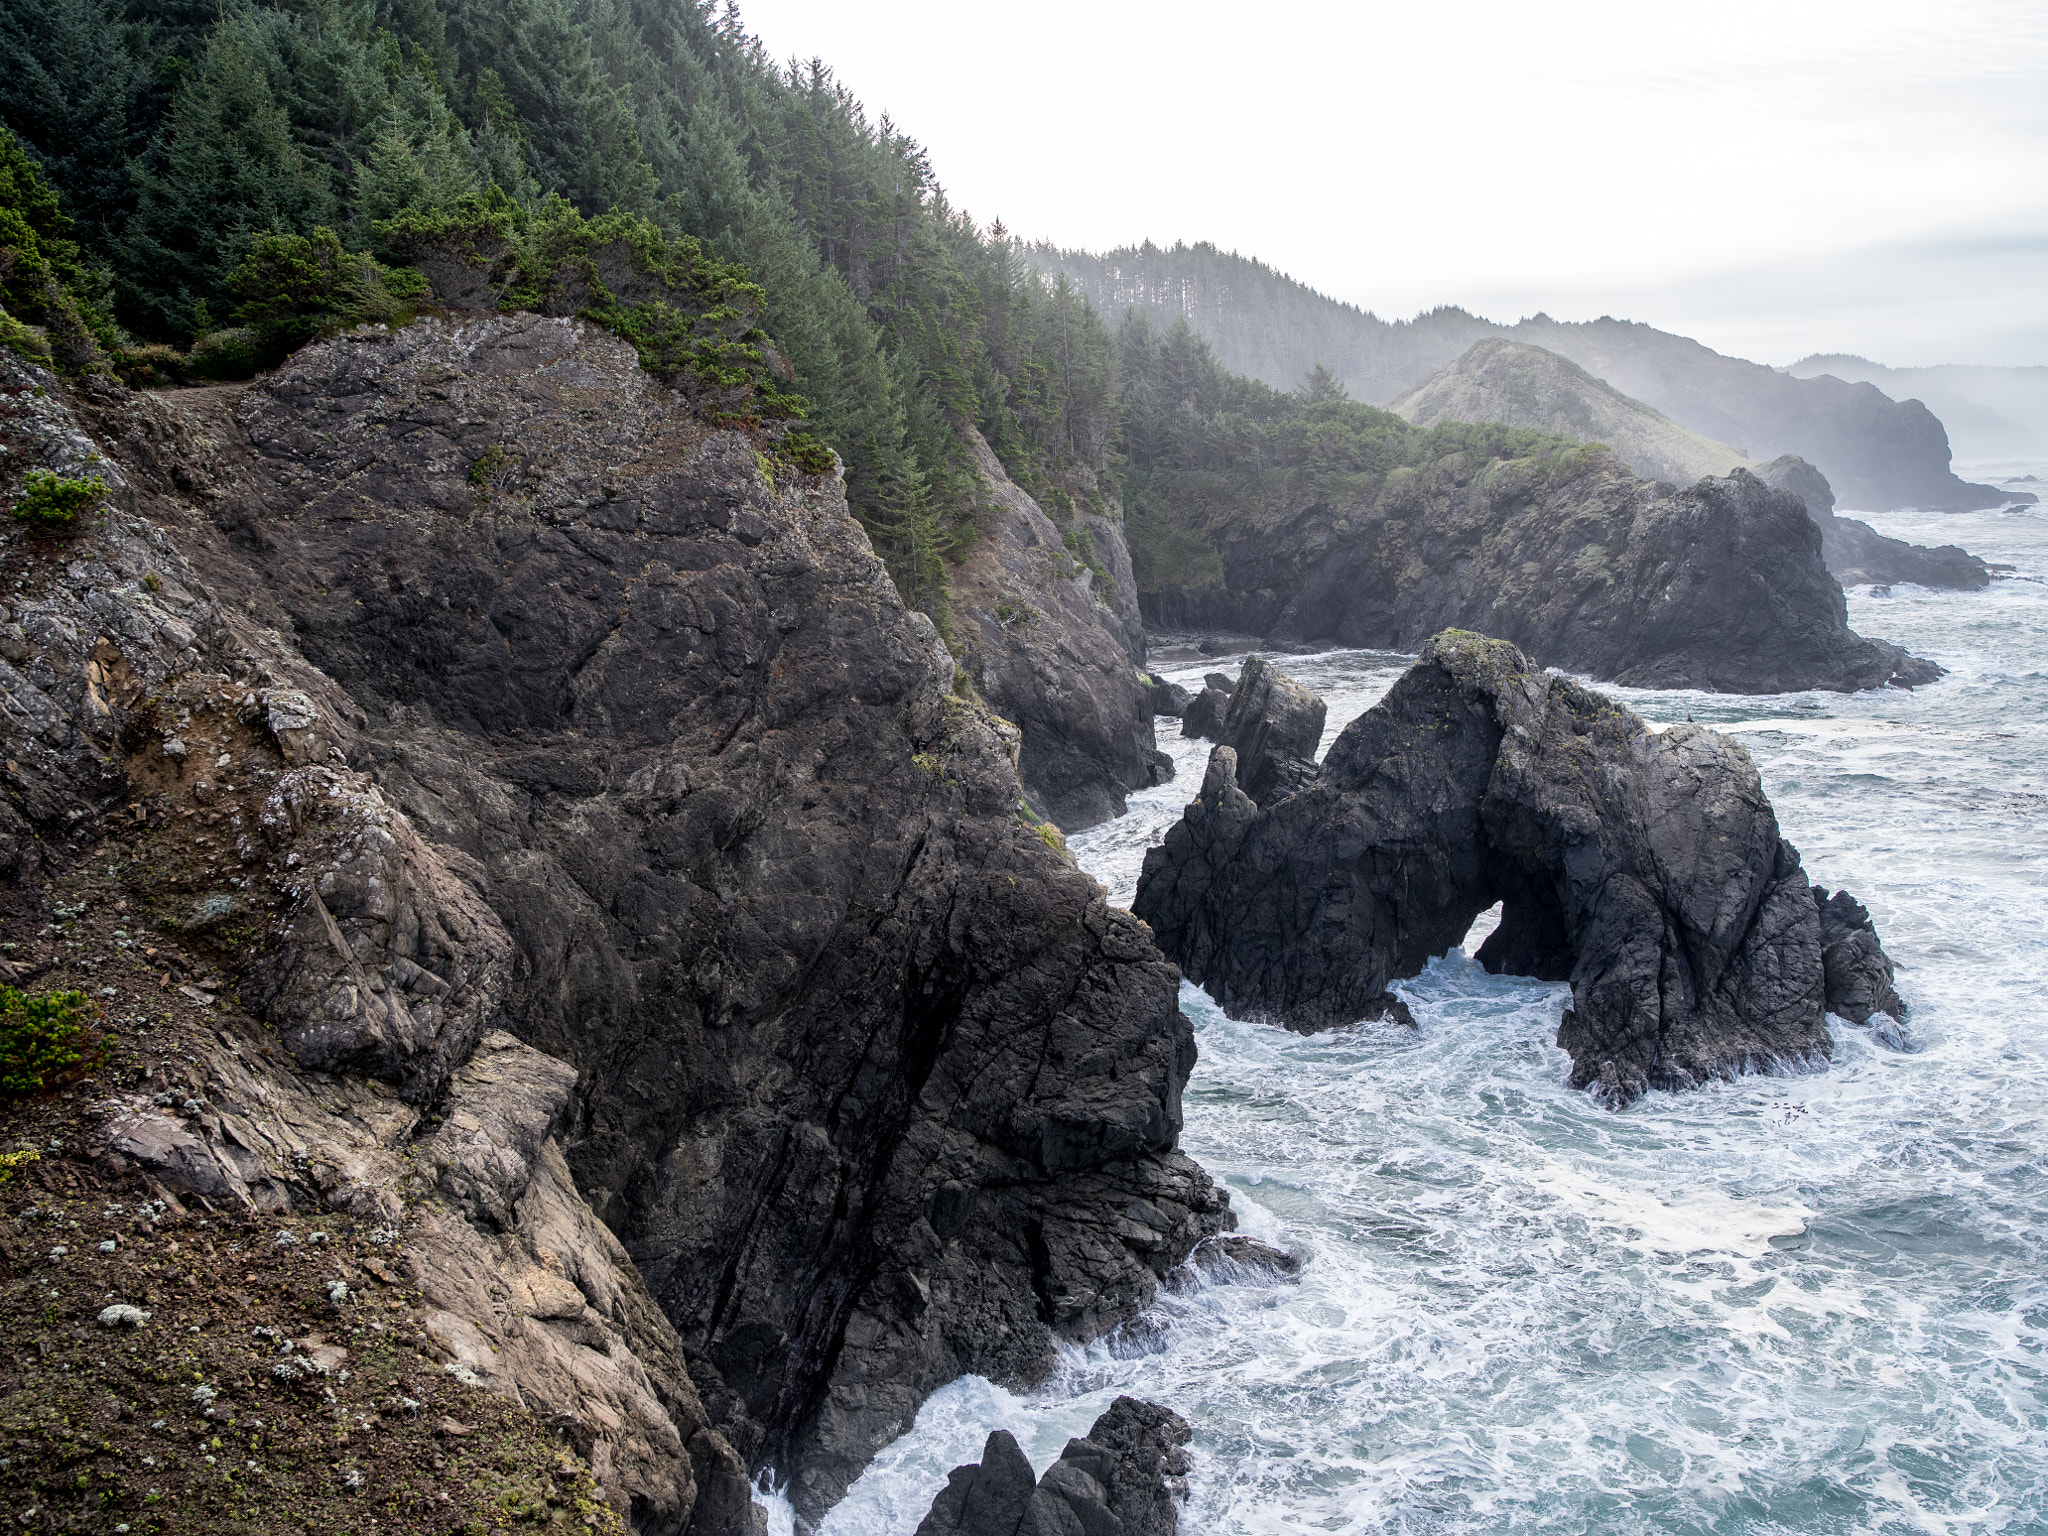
point(1878, 452)
point(1518, 385)
point(1524, 386)
point(1264, 324)
point(1990, 413)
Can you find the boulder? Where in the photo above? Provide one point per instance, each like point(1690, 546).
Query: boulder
point(1123, 1479)
point(1204, 715)
point(1643, 866)
point(1164, 698)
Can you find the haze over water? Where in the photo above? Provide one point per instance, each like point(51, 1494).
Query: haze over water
point(1812, 1304)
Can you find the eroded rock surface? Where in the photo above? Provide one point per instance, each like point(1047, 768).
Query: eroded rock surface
point(1643, 866)
point(1718, 586)
point(541, 762)
point(1857, 554)
point(1123, 1479)
point(1059, 649)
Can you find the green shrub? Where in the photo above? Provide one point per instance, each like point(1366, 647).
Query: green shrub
point(807, 453)
point(26, 340)
point(298, 288)
point(154, 366)
point(46, 1041)
point(689, 315)
point(224, 355)
point(50, 503)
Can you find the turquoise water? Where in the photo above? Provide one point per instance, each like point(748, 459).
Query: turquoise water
point(1814, 1303)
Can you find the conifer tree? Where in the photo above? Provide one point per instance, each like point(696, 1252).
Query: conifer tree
point(226, 168)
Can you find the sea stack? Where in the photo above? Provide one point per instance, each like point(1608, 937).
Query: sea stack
point(1644, 866)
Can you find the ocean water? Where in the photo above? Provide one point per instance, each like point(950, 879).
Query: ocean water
point(1813, 1303)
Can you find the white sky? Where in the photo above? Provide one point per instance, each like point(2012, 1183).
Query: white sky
point(1775, 177)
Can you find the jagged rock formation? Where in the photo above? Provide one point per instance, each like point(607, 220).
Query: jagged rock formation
point(545, 733)
point(1643, 866)
point(1123, 1479)
point(1857, 553)
point(1525, 386)
point(1719, 586)
point(1164, 698)
point(1272, 723)
point(1055, 653)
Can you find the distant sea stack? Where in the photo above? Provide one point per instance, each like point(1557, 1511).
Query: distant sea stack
point(1645, 867)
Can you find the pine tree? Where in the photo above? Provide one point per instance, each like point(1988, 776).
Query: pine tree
point(226, 169)
point(78, 86)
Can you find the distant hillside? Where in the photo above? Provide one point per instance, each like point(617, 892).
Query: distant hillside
point(1263, 323)
point(1878, 452)
point(1525, 386)
point(1990, 413)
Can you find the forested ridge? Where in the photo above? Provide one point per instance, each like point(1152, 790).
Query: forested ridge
point(202, 186)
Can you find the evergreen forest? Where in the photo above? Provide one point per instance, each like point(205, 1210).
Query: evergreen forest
point(190, 188)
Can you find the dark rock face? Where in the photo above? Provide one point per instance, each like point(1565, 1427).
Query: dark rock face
point(1857, 553)
point(1204, 714)
point(1275, 726)
point(1164, 698)
point(1859, 972)
point(1123, 1479)
point(875, 1088)
point(1056, 654)
point(1644, 867)
point(1720, 586)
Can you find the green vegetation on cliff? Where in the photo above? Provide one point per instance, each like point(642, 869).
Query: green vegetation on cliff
point(1213, 456)
point(175, 134)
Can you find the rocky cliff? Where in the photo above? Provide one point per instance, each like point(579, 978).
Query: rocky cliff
point(1719, 586)
point(1047, 623)
point(1643, 866)
point(539, 756)
point(1879, 452)
point(1857, 554)
point(1525, 386)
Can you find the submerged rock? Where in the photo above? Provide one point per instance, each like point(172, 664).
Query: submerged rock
point(1123, 1479)
point(1643, 866)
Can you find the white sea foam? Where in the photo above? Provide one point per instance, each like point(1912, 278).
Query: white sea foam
point(1808, 1303)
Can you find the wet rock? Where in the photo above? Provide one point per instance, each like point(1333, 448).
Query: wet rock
point(1859, 972)
point(1643, 866)
point(1165, 698)
point(1204, 714)
point(1857, 554)
point(1275, 726)
point(1124, 1478)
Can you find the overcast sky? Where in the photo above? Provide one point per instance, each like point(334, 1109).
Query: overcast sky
point(1775, 177)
